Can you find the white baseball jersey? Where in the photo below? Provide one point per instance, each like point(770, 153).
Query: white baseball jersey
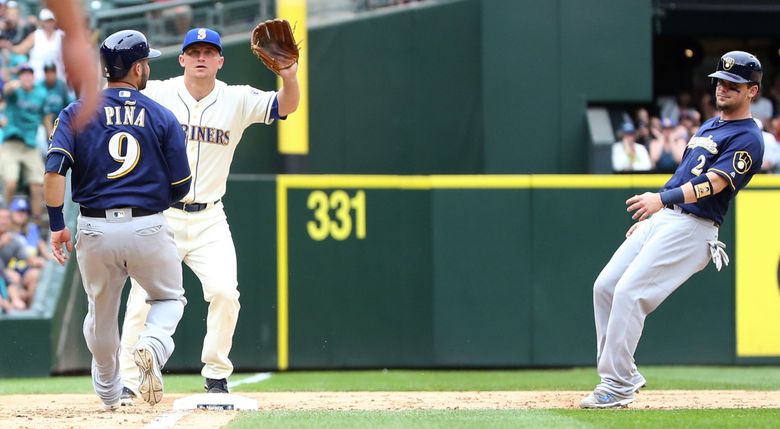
point(213, 126)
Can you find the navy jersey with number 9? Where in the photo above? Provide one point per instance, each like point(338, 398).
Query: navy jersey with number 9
point(733, 150)
point(129, 155)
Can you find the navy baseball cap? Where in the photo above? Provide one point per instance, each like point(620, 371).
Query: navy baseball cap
point(19, 205)
point(202, 35)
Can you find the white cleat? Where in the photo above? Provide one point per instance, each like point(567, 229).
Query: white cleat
point(603, 399)
point(151, 387)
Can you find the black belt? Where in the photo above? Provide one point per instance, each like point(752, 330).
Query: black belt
point(136, 211)
point(191, 207)
point(686, 212)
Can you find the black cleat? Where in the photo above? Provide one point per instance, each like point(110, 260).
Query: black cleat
point(127, 397)
point(216, 385)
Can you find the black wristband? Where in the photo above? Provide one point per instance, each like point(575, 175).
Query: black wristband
point(672, 196)
point(56, 220)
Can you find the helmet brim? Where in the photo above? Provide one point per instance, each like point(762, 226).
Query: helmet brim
point(731, 77)
point(153, 53)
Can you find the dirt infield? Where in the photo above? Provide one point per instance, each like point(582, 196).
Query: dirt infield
point(84, 411)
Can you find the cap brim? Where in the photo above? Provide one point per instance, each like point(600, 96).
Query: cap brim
point(731, 77)
point(219, 48)
point(153, 53)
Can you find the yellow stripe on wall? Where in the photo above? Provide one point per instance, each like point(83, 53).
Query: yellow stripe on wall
point(282, 313)
point(294, 131)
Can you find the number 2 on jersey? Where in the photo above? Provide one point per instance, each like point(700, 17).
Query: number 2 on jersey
point(700, 166)
point(123, 142)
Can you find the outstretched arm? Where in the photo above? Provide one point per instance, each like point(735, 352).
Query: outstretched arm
point(290, 94)
point(651, 202)
point(78, 55)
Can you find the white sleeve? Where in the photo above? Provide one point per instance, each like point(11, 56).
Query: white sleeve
point(257, 104)
point(643, 158)
point(618, 157)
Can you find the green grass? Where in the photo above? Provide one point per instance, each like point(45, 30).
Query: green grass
point(596, 419)
point(659, 377)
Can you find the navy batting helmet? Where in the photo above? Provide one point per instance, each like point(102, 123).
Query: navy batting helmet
point(738, 67)
point(120, 50)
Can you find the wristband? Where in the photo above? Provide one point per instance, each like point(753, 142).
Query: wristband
point(672, 196)
point(702, 187)
point(56, 220)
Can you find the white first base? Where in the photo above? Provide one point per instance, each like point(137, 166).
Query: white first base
point(215, 401)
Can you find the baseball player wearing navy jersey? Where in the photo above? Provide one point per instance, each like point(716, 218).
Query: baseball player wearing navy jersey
point(661, 252)
point(128, 165)
point(213, 115)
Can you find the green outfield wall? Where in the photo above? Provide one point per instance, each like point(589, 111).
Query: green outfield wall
point(454, 87)
point(440, 271)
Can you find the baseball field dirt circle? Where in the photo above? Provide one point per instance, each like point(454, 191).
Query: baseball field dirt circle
point(85, 411)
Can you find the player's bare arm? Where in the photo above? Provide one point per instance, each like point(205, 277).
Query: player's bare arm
point(54, 195)
point(290, 94)
point(649, 203)
point(78, 55)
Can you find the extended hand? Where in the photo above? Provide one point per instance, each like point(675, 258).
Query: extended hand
point(58, 238)
point(645, 205)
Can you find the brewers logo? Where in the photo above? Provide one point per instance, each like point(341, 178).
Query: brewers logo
point(728, 62)
point(742, 162)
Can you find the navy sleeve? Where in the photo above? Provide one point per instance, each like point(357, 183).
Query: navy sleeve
point(60, 144)
point(742, 156)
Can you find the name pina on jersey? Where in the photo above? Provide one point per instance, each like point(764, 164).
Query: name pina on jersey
point(125, 115)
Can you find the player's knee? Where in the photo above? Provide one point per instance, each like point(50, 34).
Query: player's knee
point(603, 286)
point(225, 295)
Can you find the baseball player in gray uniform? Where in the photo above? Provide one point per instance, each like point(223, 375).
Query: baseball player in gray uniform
point(127, 166)
point(661, 252)
point(214, 115)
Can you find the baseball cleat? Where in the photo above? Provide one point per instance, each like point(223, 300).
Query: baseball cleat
point(112, 407)
point(603, 399)
point(151, 387)
point(216, 385)
point(127, 397)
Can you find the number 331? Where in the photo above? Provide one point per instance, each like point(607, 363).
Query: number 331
point(340, 227)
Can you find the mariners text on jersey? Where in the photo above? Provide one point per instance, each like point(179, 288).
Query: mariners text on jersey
point(206, 134)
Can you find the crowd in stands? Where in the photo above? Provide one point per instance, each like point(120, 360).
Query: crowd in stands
point(655, 143)
point(32, 93)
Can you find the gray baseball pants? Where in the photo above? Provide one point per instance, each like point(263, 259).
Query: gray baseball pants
point(109, 250)
point(653, 262)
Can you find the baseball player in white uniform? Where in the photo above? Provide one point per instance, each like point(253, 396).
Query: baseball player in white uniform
point(213, 115)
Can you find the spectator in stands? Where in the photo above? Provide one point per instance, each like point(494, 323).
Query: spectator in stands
point(642, 118)
point(24, 107)
point(771, 161)
point(627, 154)
point(58, 96)
point(181, 15)
point(43, 46)
point(691, 120)
point(11, 247)
point(16, 29)
point(37, 251)
point(707, 106)
point(761, 108)
point(666, 148)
